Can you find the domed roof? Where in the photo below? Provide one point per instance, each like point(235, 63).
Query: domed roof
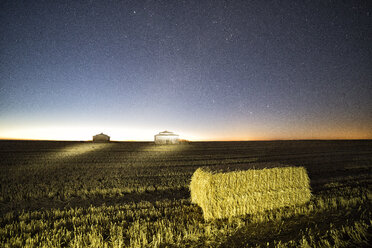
point(101, 134)
point(166, 133)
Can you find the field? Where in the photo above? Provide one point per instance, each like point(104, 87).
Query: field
point(77, 194)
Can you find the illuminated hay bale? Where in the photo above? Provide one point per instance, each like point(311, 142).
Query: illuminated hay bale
point(223, 195)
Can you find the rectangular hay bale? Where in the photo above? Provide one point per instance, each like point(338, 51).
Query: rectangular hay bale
point(223, 195)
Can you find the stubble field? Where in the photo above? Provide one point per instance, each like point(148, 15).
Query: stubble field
point(129, 194)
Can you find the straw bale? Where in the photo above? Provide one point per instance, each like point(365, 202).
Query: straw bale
point(227, 194)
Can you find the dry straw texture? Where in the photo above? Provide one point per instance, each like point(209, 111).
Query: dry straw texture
point(223, 195)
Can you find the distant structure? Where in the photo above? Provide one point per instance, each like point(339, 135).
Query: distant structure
point(101, 138)
point(166, 137)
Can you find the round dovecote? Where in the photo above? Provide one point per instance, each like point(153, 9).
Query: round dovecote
point(101, 138)
point(166, 137)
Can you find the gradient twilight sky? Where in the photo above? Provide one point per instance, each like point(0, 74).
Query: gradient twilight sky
point(208, 70)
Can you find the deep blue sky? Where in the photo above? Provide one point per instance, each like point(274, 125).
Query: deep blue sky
point(220, 70)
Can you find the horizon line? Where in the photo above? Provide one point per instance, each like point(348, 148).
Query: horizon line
point(232, 140)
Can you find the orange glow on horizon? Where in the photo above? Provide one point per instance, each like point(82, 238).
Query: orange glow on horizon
point(73, 133)
point(235, 139)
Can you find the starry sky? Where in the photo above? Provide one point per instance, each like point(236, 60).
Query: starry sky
point(207, 70)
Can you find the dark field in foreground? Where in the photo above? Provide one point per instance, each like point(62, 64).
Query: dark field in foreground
point(76, 194)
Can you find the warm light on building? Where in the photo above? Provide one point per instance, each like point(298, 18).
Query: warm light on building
point(166, 137)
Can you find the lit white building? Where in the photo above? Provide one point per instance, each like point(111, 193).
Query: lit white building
point(101, 138)
point(166, 137)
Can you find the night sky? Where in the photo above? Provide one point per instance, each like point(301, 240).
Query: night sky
point(207, 70)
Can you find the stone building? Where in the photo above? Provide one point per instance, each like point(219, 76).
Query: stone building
point(101, 138)
point(166, 137)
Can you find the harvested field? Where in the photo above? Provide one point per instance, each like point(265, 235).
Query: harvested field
point(77, 194)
